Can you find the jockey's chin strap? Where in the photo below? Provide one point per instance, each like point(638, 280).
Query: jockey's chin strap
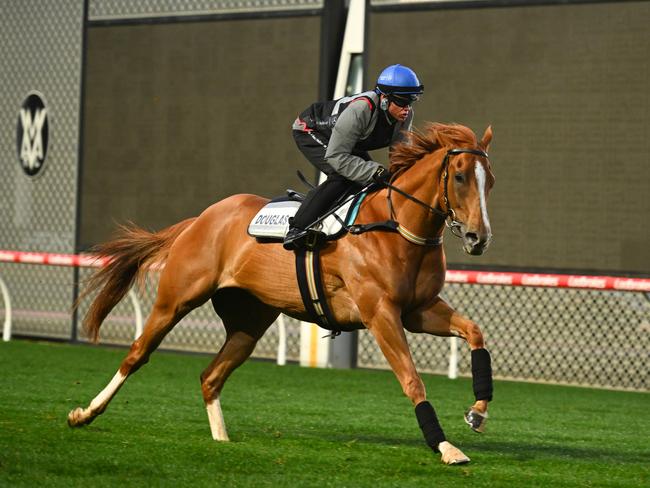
point(449, 215)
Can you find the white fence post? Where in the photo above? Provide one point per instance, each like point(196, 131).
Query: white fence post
point(282, 341)
point(6, 329)
point(453, 358)
point(138, 313)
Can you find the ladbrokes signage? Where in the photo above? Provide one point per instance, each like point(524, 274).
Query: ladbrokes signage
point(32, 134)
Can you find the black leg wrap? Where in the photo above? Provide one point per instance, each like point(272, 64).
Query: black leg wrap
point(429, 424)
point(482, 374)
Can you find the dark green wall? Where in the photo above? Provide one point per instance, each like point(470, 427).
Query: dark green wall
point(178, 116)
point(567, 90)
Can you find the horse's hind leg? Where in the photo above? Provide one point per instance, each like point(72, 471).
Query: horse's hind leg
point(180, 290)
point(245, 319)
point(161, 320)
point(442, 320)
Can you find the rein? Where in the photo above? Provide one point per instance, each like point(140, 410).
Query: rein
point(394, 226)
point(449, 216)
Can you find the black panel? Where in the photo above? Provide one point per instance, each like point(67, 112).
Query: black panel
point(566, 90)
point(178, 116)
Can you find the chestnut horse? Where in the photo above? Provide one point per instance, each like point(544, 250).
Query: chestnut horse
point(384, 281)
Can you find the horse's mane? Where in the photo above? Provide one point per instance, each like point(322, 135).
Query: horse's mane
point(422, 142)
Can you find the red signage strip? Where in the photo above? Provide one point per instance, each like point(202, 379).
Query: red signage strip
point(548, 280)
point(82, 260)
point(453, 276)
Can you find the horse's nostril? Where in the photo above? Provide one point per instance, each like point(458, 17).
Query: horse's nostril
point(472, 237)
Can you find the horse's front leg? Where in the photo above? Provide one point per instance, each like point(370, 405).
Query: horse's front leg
point(441, 320)
point(386, 326)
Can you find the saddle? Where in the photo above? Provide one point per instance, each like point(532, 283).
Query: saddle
point(271, 223)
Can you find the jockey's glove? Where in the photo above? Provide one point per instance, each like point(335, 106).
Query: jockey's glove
point(381, 176)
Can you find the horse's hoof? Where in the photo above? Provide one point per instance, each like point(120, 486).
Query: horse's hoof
point(476, 420)
point(450, 454)
point(76, 418)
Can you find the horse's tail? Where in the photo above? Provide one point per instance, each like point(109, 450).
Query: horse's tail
point(130, 255)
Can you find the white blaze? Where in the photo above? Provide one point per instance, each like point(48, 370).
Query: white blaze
point(479, 171)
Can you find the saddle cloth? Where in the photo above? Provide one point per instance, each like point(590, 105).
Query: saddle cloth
point(272, 221)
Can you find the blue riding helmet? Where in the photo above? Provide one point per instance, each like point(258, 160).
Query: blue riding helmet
point(399, 80)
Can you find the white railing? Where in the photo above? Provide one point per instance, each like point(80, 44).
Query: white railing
point(73, 260)
point(460, 277)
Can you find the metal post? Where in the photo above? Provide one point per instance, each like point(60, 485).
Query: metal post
point(343, 350)
point(76, 272)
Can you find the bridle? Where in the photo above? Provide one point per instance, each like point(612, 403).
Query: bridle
point(392, 225)
point(448, 215)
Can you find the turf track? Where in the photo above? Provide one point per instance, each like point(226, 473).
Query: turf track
point(300, 427)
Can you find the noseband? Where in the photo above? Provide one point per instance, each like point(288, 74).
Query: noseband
point(449, 215)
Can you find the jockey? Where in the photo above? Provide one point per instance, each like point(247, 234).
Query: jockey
point(335, 136)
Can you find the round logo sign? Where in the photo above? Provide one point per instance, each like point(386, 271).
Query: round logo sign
point(32, 134)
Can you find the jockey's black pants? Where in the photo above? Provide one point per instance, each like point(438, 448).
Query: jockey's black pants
point(320, 199)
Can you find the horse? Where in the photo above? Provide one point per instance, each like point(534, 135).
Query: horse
point(387, 282)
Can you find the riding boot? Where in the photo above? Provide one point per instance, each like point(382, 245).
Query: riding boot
point(317, 202)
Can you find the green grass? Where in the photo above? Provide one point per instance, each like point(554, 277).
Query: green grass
point(293, 426)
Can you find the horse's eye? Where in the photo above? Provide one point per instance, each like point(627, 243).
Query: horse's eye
point(459, 177)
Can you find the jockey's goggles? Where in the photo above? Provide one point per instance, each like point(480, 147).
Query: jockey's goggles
point(403, 100)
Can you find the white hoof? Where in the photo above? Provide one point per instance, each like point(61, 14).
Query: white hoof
point(221, 437)
point(451, 454)
point(78, 418)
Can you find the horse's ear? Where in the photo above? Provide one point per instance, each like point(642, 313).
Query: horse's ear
point(487, 138)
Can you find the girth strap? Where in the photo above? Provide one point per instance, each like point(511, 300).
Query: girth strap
point(311, 289)
point(386, 225)
point(394, 226)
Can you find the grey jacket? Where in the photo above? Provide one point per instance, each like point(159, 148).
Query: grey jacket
point(355, 124)
point(348, 128)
